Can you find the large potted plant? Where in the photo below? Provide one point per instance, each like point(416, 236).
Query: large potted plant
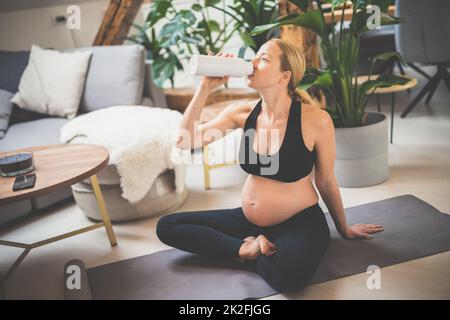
point(186, 32)
point(361, 137)
point(183, 33)
point(246, 15)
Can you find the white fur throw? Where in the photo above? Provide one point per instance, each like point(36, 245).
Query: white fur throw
point(141, 143)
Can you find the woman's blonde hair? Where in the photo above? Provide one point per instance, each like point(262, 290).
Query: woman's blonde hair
point(293, 60)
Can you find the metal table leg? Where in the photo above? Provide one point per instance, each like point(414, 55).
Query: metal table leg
point(378, 103)
point(392, 114)
point(206, 168)
point(103, 210)
point(27, 247)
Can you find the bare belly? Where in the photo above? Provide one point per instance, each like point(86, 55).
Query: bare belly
point(267, 202)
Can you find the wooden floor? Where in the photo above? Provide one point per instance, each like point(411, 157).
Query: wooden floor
point(419, 165)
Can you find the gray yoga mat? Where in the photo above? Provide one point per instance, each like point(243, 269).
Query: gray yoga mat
point(412, 229)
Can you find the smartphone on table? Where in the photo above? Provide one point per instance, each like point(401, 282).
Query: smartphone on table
point(24, 181)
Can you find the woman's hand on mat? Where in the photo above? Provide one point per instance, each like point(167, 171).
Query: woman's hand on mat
point(210, 83)
point(362, 231)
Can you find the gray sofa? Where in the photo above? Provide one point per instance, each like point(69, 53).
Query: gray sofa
point(117, 75)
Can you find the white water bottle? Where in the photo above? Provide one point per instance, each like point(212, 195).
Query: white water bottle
point(215, 66)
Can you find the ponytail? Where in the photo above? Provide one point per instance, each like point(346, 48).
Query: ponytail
point(293, 60)
point(304, 97)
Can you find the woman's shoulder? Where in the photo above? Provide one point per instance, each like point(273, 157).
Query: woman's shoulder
point(316, 119)
point(241, 109)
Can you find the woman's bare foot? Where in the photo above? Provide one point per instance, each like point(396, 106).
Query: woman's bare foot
point(267, 247)
point(250, 249)
point(253, 247)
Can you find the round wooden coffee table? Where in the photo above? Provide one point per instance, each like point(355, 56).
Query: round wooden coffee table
point(58, 166)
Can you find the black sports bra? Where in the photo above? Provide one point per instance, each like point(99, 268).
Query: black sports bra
point(290, 163)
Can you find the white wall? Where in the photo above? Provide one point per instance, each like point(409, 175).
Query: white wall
point(20, 29)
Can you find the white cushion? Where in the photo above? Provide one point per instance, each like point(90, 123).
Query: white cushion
point(53, 82)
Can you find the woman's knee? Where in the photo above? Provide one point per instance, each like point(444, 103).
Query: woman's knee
point(164, 227)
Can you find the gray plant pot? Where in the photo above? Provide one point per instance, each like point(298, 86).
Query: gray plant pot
point(362, 158)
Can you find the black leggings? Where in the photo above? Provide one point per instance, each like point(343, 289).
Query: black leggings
point(300, 241)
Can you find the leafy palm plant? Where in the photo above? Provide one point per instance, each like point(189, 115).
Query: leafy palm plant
point(211, 34)
point(164, 60)
point(184, 33)
point(247, 14)
point(346, 98)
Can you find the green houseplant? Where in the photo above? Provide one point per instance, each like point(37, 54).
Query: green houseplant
point(247, 14)
point(346, 98)
point(165, 62)
point(183, 33)
point(361, 137)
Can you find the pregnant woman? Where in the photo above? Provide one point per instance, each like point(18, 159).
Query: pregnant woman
point(279, 231)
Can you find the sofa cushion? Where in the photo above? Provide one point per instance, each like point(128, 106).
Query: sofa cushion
point(32, 133)
point(19, 115)
point(12, 65)
point(5, 111)
point(53, 82)
point(115, 77)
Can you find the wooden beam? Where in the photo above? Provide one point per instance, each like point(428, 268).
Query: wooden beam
point(303, 38)
point(117, 21)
